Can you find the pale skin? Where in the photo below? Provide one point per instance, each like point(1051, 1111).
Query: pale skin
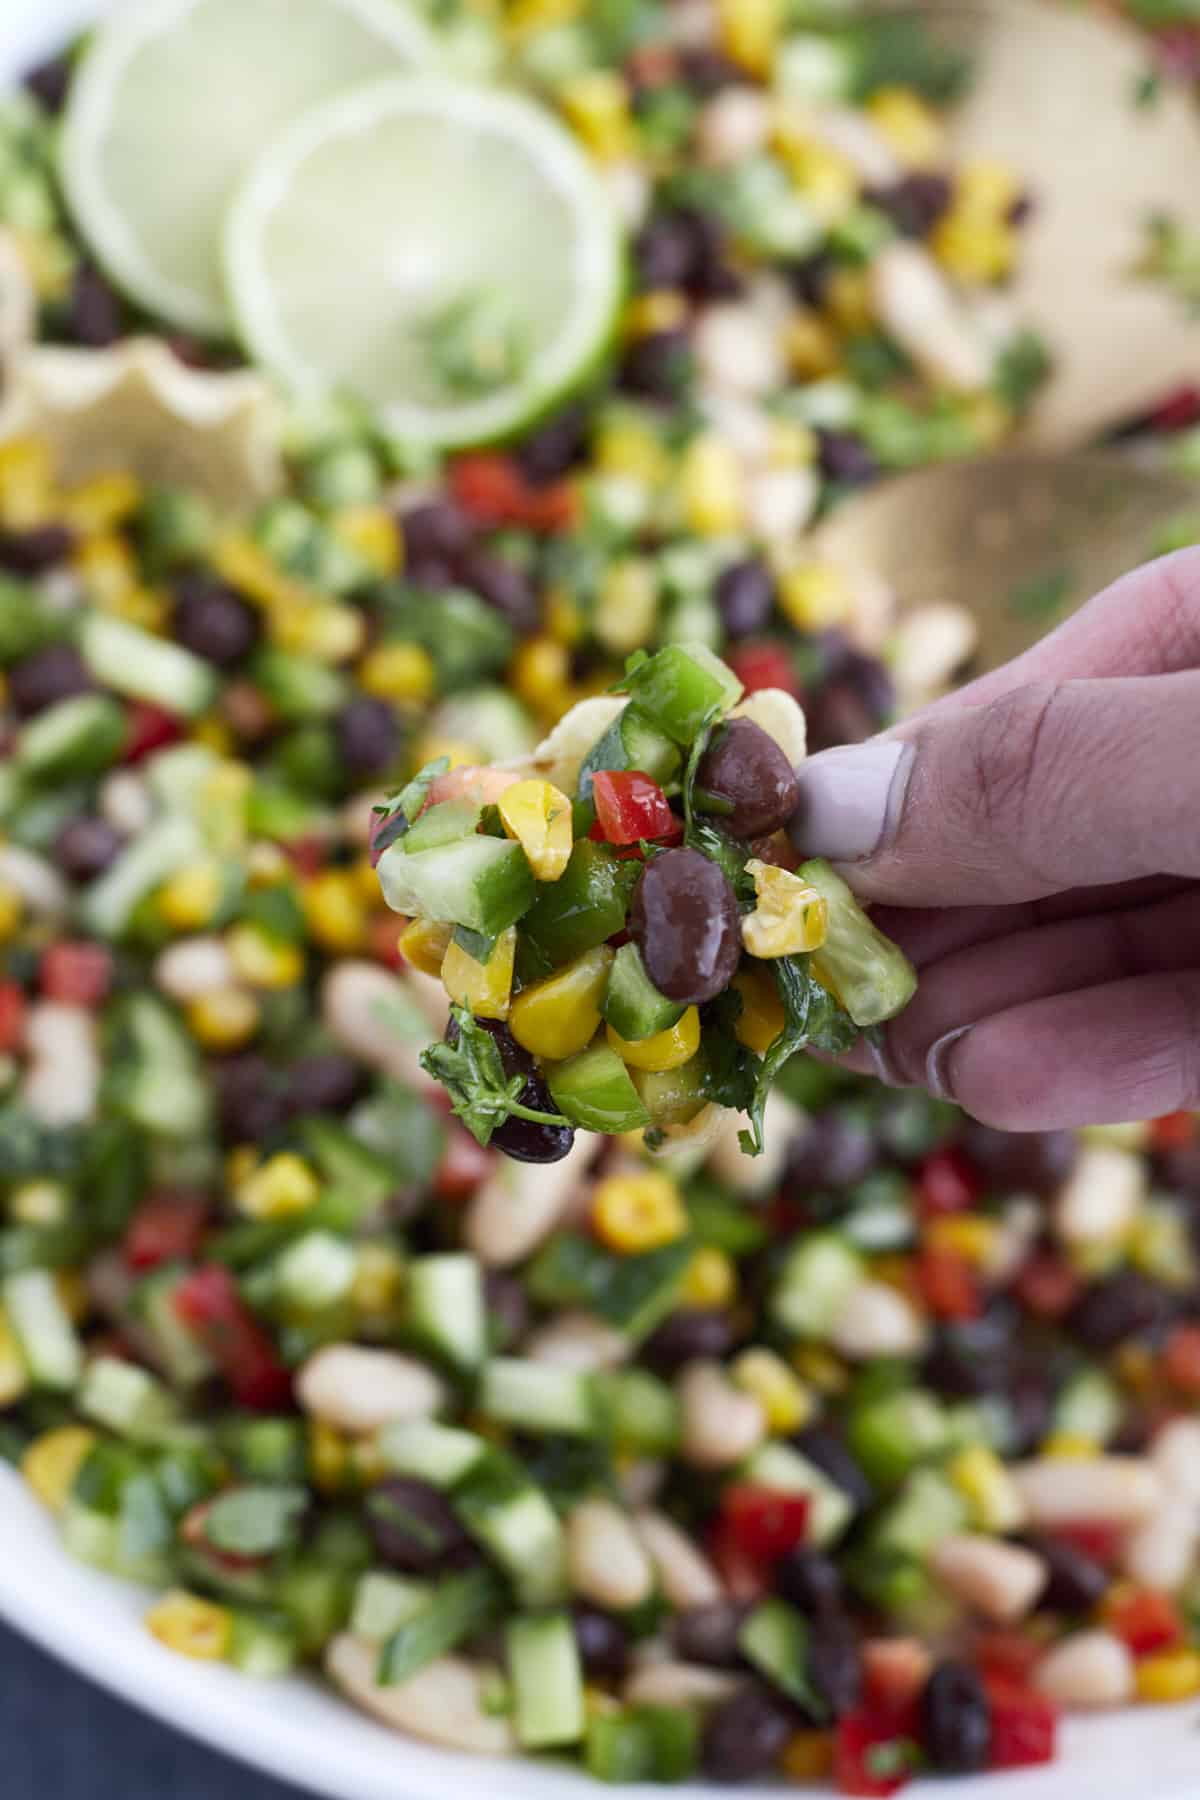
point(1033, 841)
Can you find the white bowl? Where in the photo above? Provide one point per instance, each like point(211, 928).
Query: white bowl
point(301, 1732)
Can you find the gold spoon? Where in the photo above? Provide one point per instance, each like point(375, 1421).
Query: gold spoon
point(1019, 539)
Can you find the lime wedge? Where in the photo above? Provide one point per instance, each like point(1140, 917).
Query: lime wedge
point(443, 252)
point(174, 100)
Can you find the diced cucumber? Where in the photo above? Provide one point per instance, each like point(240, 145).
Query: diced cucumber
point(348, 1164)
point(316, 1597)
point(673, 1096)
point(165, 846)
point(75, 738)
point(634, 1293)
point(90, 1537)
point(264, 1644)
point(442, 824)
point(593, 1090)
point(775, 1639)
point(316, 1272)
point(643, 1743)
point(458, 1608)
point(132, 661)
point(632, 1004)
point(43, 1329)
point(490, 718)
point(926, 1509)
point(867, 972)
point(129, 1400)
point(298, 687)
point(815, 1278)
point(1089, 1406)
point(640, 1412)
point(538, 1396)
point(679, 688)
point(383, 1603)
point(176, 775)
point(446, 1307)
point(482, 882)
point(632, 741)
point(547, 1680)
point(780, 1466)
point(156, 1081)
point(516, 1524)
point(439, 1454)
point(894, 1433)
point(266, 1449)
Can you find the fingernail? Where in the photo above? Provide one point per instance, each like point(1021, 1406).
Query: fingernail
point(851, 799)
point(937, 1063)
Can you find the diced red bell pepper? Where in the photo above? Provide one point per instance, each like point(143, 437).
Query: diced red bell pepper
point(895, 1671)
point(1096, 1538)
point(764, 1522)
point(869, 1759)
point(764, 664)
point(79, 974)
point(1181, 1359)
point(947, 1182)
point(465, 1165)
point(1178, 411)
point(166, 1228)
point(949, 1285)
point(1007, 1656)
point(492, 489)
point(630, 807)
point(307, 855)
point(1175, 1131)
point(208, 1300)
point(743, 1576)
point(1024, 1726)
point(383, 935)
point(1047, 1285)
point(1144, 1619)
point(14, 1010)
point(149, 728)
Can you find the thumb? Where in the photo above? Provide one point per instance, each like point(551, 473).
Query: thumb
point(1050, 786)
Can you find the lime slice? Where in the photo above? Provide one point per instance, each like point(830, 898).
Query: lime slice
point(444, 252)
point(174, 100)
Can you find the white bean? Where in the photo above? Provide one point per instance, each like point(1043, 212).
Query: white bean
point(927, 648)
point(444, 1703)
point(1101, 1196)
point(18, 301)
point(640, 1482)
point(853, 136)
point(1090, 1669)
point(629, 190)
point(579, 1340)
point(744, 424)
point(781, 502)
point(737, 349)
point(358, 1390)
point(678, 1684)
point(688, 1144)
point(1175, 1454)
point(917, 305)
point(606, 1560)
point(1161, 1551)
point(735, 124)
point(560, 756)
point(686, 1576)
point(729, 1163)
point(62, 1079)
point(194, 966)
point(520, 1204)
point(999, 1580)
point(1112, 1490)
point(37, 881)
point(385, 1019)
point(877, 1320)
point(781, 716)
point(721, 1424)
point(126, 802)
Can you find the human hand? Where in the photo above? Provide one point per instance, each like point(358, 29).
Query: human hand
point(1033, 842)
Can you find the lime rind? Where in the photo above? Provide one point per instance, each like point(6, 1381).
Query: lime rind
point(559, 168)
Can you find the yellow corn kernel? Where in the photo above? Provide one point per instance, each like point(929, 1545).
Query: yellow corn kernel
point(222, 800)
point(988, 1489)
point(711, 488)
point(266, 865)
point(13, 1376)
point(37, 1202)
point(987, 188)
point(762, 1017)
point(820, 1368)
point(424, 944)
point(328, 1457)
point(257, 577)
point(538, 816)
point(810, 345)
point(191, 1627)
point(107, 568)
point(598, 1702)
point(52, 1461)
point(212, 731)
point(398, 672)
point(974, 250)
point(458, 753)
point(372, 534)
point(240, 1165)
point(334, 910)
point(483, 988)
point(749, 32)
point(366, 1461)
point(325, 630)
point(848, 300)
point(25, 483)
point(49, 261)
point(527, 17)
point(540, 675)
point(710, 1280)
point(1158, 1245)
point(790, 915)
point(627, 606)
point(1069, 1446)
point(1170, 1675)
point(559, 1017)
point(263, 961)
point(814, 596)
point(284, 1185)
point(913, 130)
point(634, 1213)
point(223, 1019)
point(967, 1234)
point(1136, 1368)
point(626, 446)
point(785, 1400)
point(668, 1049)
point(791, 445)
point(662, 309)
point(12, 910)
point(564, 621)
point(191, 898)
point(378, 1279)
point(807, 1756)
point(103, 502)
point(597, 104)
point(828, 182)
point(989, 418)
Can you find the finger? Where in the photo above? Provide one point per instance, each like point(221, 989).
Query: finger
point(992, 977)
point(1130, 1050)
point(1050, 787)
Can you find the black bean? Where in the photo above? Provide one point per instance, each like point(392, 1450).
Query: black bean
point(685, 1335)
point(811, 1581)
point(866, 676)
point(508, 1308)
point(1075, 1583)
point(707, 71)
point(837, 715)
point(86, 847)
point(744, 1735)
point(523, 1139)
point(1180, 1170)
point(1030, 1401)
point(435, 534)
point(1125, 1305)
point(658, 365)
point(664, 251)
point(835, 1664)
point(956, 1719)
point(834, 1149)
point(45, 677)
point(49, 82)
point(212, 621)
point(709, 1634)
point(503, 585)
point(415, 1528)
point(1035, 1162)
point(251, 1101)
point(747, 774)
point(324, 1082)
point(745, 597)
point(822, 1447)
point(916, 202)
point(602, 1642)
point(94, 313)
point(33, 552)
point(555, 446)
point(368, 735)
point(845, 458)
point(1022, 209)
point(684, 919)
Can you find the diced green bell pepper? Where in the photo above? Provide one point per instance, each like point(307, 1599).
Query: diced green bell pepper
point(587, 905)
point(593, 1090)
point(679, 687)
